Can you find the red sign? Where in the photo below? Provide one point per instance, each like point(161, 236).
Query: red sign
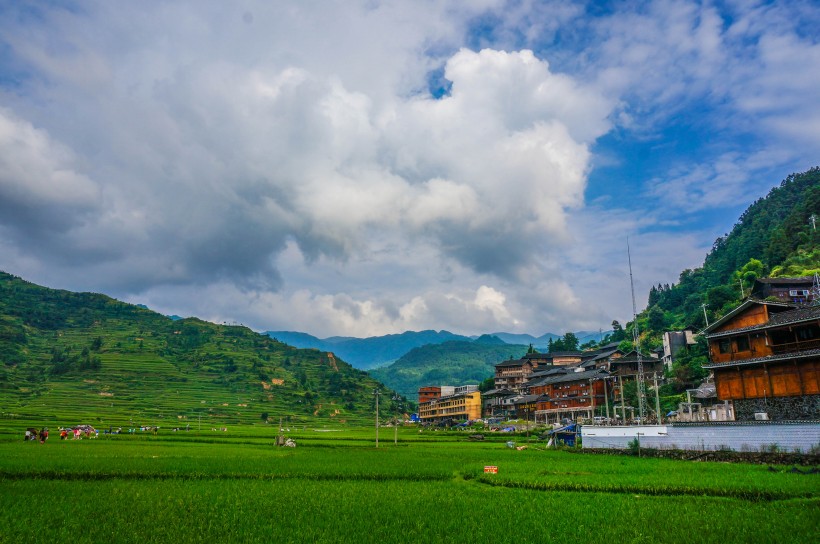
point(490, 470)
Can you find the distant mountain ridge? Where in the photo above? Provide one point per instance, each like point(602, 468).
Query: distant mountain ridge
point(367, 353)
point(378, 351)
point(448, 363)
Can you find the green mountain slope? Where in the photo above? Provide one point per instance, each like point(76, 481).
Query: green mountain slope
point(367, 353)
point(775, 236)
point(450, 363)
point(80, 357)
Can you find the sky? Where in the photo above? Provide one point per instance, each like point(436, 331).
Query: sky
point(361, 168)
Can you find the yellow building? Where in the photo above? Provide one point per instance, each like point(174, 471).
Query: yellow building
point(459, 406)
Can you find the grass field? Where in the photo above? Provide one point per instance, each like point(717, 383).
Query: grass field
point(337, 487)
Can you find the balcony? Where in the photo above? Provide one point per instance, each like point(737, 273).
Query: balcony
point(793, 347)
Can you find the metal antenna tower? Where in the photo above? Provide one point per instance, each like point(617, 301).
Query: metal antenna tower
point(815, 290)
point(636, 338)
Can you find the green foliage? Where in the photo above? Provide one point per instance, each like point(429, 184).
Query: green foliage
point(569, 342)
point(449, 363)
point(96, 359)
point(773, 232)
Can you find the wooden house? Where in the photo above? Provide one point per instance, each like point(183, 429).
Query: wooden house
point(569, 395)
point(765, 357)
point(793, 290)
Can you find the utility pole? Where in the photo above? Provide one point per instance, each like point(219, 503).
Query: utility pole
point(657, 398)
point(396, 397)
point(813, 220)
point(636, 340)
point(591, 401)
point(376, 393)
point(623, 404)
point(706, 317)
point(740, 281)
point(606, 400)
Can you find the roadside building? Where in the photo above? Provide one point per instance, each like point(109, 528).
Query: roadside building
point(765, 357)
point(456, 407)
point(514, 373)
point(626, 367)
point(498, 403)
point(790, 290)
point(674, 342)
point(570, 395)
point(430, 392)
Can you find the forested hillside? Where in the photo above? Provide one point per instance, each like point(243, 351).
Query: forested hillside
point(450, 363)
point(105, 362)
point(775, 236)
point(367, 353)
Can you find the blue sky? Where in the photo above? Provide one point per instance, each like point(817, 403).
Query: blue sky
point(363, 168)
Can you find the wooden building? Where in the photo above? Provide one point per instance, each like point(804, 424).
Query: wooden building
point(794, 290)
point(765, 357)
point(626, 367)
point(569, 395)
point(513, 374)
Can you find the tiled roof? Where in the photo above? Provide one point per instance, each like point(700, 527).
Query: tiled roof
point(526, 399)
point(744, 305)
point(767, 359)
point(571, 377)
point(785, 281)
point(512, 362)
point(789, 317)
point(632, 357)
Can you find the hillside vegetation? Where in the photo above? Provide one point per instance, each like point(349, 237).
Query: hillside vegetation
point(367, 353)
point(89, 358)
point(774, 237)
point(450, 363)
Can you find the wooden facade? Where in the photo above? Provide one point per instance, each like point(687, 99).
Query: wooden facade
point(765, 350)
point(569, 394)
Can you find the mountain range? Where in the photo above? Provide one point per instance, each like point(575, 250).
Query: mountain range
point(378, 351)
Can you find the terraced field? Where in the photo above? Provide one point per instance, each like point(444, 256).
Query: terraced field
point(70, 358)
point(430, 487)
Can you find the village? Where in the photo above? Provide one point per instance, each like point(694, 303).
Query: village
point(763, 390)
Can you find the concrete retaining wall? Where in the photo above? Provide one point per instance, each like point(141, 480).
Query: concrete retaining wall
point(752, 436)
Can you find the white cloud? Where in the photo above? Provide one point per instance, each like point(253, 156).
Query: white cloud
point(287, 159)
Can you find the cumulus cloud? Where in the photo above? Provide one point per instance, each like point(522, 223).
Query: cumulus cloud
point(289, 160)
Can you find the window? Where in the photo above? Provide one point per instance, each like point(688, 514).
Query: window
point(742, 343)
point(725, 346)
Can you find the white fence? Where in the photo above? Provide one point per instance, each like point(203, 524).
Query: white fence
point(757, 436)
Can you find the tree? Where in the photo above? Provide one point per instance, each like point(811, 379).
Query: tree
point(618, 333)
point(570, 342)
point(655, 319)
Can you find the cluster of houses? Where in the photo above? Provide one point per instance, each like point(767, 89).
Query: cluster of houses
point(764, 362)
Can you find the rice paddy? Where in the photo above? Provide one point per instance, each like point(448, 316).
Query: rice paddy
point(236, 486)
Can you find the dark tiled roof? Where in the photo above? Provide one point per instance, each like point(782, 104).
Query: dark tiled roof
point(632, 357)
point(809, 353)
point(498, 393)
point(536, 356)
point(550, 372)
point(525, 399)
point(566, 354)
point(706, 390)
point(512, 362)
point(744, 305)
point(572, 377)
point(780, 319)
point(785, 281)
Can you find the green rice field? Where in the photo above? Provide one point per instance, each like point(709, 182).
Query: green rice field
point(335, 486)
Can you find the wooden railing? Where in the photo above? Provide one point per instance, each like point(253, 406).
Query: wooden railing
point(791, 347)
